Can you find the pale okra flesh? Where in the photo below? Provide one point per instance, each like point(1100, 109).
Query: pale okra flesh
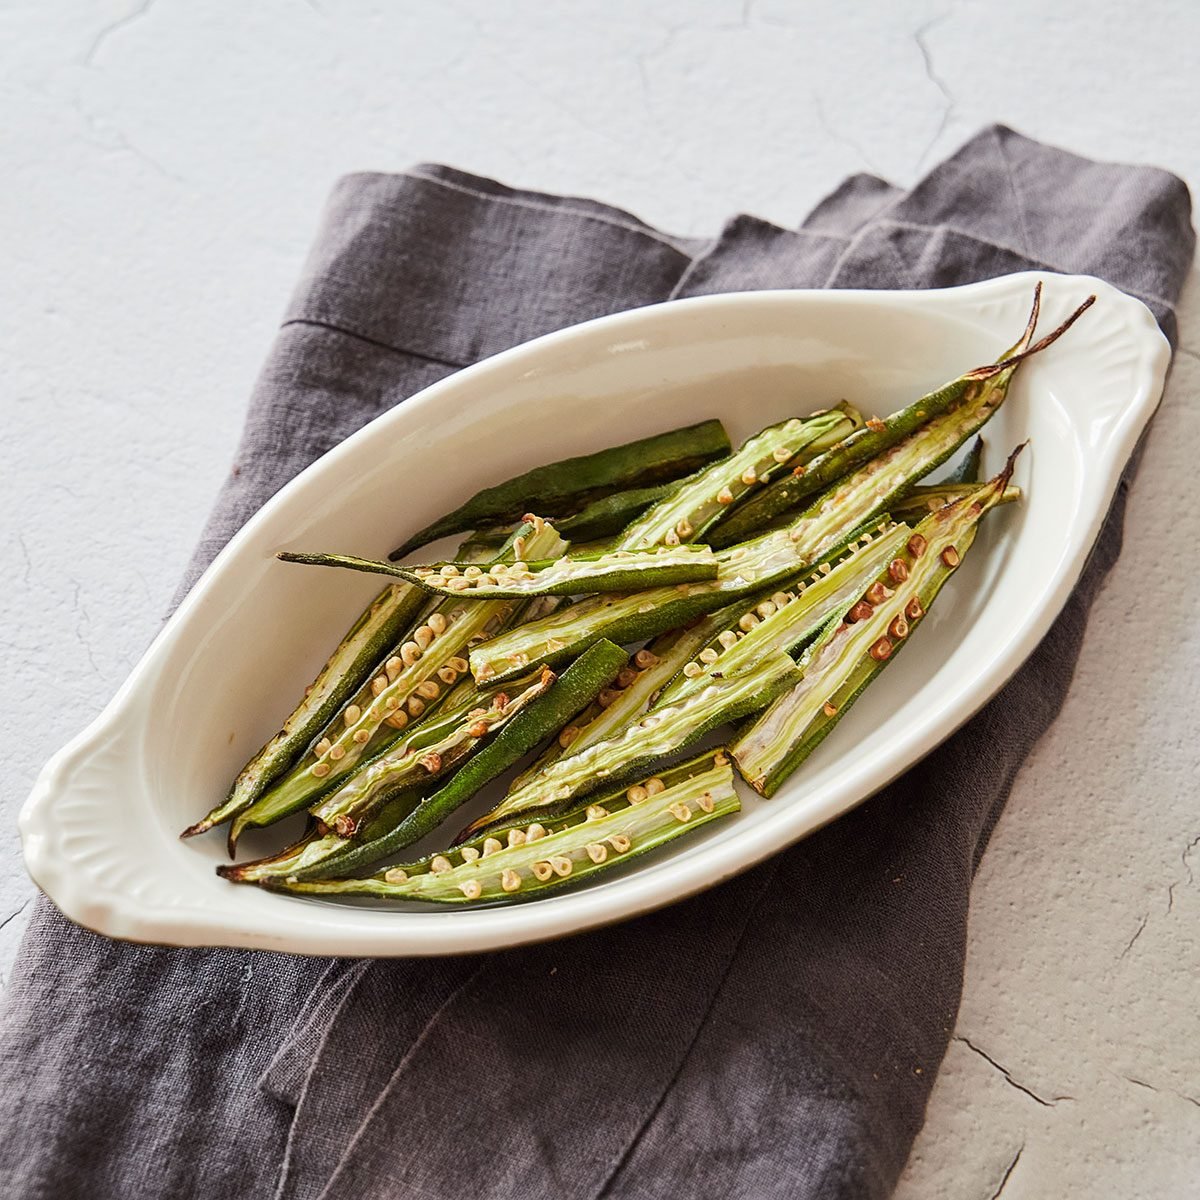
point(857, 643)
point(782, 621)
point(411, 684)
point(564, 487)
point(657, 735)
point(700, 501)
point(542, 856)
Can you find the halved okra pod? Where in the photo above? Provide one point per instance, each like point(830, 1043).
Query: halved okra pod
point(411, 684)
point(379, 627)
point(612, 829)
point(414, 765)
point(566, 486)
point(856, 644)
point(927, 498)
point(571, 574)
point(611, 514)
point(658, 734)
point(701, 500)
point(961, 406)
point(783, 620)
point(582, 681)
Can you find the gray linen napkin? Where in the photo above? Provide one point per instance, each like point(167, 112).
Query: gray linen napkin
point(775, 1037)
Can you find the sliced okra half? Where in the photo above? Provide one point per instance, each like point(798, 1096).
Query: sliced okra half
point(532, 860)
point(660, 733)
point(856, 644)
point(691, 509)
point(569, 485)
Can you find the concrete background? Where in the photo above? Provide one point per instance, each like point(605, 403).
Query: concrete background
point(164, 167)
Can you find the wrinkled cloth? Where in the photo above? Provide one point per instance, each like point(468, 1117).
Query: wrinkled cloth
point(775, 1037)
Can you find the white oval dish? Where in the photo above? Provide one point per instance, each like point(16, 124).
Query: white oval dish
point(100, 829)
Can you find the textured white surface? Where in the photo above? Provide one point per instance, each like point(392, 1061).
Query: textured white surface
point(165, 164)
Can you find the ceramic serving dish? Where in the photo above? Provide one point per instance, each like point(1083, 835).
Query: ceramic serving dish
point(101, 827)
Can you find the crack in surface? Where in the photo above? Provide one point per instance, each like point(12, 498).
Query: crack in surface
point(107, 31)
point(1187, 853)
point(12, 916)
point(950, 104)
point(1012, 1166)
point(1137, 933)
point(841, 138)
point(1007, 1077)
point(1158, 1091)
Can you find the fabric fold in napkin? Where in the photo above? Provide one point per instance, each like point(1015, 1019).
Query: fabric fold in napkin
point(774, 1037)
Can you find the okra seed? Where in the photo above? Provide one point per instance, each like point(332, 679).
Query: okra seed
point(595, 812)
point(491, 846)
point(378, 685)
point(567, 735)
point(636, 794)
point(535, 832)
point(337, 752)
point(897, 570)
point(654, 786)
point(706, 802)
point(437, 622)
point(680, 811)
point(458, 664)
point(409, 653)
point(645, 658)
point(436, 580)
point(727, 638)
point(321, 770)
point(362, 736)
point(825, 568)
point(542, 871)
point(881, 650)
point(447, 674)
point(516, 837)
point(626, 677)
point(519, 568)
point(672, 538)
point(473, 572)
point(432, 762)
point(724, 496)
point(747, 621)
point(352, 713)
point(423, 636)
point(950, 557)
point(829, 710)
point(393, 667)
point(619, 842)
point(708, 655)
point(876, 593)
point(607, 696)
point(397, 720)
point(472, 889)
point(781, 599)
point(860, 612)
point(510, 881)
point(470, 854)
point(449, 569)
point(322, 746)
point(596, 852)
point(898, 628)
point(396, 875)
point(684, 529)
point(439, 864)
point(766, 608)
point(561, 865)
point(428, 689)
point(477, 729)
point(749, 476)
point(458, 585)
point(720, 758)
point(782, 454)
point(917, 545)
point(416, 706)
point(692, 669)
point(913, 610)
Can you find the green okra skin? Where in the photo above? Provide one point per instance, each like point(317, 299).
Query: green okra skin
point(564, 850)
point(571, 574)
point(414, 766)
point(567, 486)
point(410, 685)
point(927, 498)
point(658, 734)
point(630, 694)
point(611, 514)
point(320, 851)
point(856, 644)
point(909, 437)
point(377, 629)
point(782, 621)
point(702, 499)
point(968, 470)
point(581, 683)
